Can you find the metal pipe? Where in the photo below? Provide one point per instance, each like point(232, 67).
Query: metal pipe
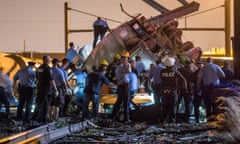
point(66, 26)
point(227, 20)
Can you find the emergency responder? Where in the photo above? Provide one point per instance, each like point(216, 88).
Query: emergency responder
point(71, 52)
point(170, 77)
point(100, 27)
point(68, 91)
point(57, 102)
point(94, 82)
point(81, 77)
point(46, 89)
point(122, 75)
point(197, 99)
point(133, 84)
point(26, 78)
point(71, 55)
point(139, 65)
point(154, 77)
point(186, 94)
point(104, 63)
point(209, 75)
point(5, 90)
point(111, 68)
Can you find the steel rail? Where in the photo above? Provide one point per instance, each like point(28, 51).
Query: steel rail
point(44, 134)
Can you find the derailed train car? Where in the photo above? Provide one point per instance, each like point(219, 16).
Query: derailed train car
point(150, 38)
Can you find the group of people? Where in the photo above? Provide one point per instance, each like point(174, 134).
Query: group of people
point(192, 82)
point(170, 83)
point(45, 86)
point(52, 87)
point(123, 73)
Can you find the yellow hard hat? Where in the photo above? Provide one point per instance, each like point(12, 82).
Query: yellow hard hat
point(104, 62)
point(117, 56)
point(125, 54)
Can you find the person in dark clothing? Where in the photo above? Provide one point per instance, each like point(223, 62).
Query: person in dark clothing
point(94, 82)
point(170, 78)
point(100, 27)
point(112, 67)
point(26, 85)
point(197, 98)
point(46, 89)
point(228, 71)
point(184, 93)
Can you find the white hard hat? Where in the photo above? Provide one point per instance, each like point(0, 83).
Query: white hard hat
point(169, 61)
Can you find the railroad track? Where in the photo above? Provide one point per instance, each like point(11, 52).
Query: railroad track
point(44, 134)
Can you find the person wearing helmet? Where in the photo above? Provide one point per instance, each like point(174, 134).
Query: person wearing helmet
point(117, 56)
point(170, 77)
point(112, 67)
point(125, 54)
point(104, 62)
point(122, 74)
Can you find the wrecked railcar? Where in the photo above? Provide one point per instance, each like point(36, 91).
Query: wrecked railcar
point(150, 38)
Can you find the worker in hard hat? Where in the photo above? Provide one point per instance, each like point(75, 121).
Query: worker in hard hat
point(111, 68)
point(104, 62)
point(123, 91)
point(125, 54)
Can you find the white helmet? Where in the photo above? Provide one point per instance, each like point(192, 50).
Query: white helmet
point(169, 61)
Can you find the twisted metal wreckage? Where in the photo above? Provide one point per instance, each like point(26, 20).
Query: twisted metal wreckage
point(151, 38)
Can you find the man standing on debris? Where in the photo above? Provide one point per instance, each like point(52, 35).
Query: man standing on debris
point(26, 85)
point(122, 75)
point(91, 92)
point(100, 27)
point(209, 76)
point(46, 89)
point(170, 77)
